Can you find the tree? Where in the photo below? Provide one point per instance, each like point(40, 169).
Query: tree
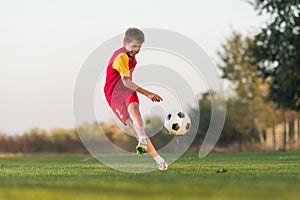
point(246, 106)
point(277, 50)
point(204, 107)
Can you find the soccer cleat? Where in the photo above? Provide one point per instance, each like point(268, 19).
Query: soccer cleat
point(140, 149)
point(162, 166)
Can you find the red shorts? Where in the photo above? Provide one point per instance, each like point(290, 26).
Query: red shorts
point(120, 106)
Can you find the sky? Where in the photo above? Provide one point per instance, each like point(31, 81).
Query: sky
point(43, 45)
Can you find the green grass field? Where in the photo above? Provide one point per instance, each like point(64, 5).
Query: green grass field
point(250, 176)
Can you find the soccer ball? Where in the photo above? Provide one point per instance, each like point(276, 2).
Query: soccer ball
point(177, 123)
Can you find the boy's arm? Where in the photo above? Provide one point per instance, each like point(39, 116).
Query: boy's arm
point(131, 85)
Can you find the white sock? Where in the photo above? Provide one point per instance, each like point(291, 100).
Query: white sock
point(142, 139)
point(158, 159)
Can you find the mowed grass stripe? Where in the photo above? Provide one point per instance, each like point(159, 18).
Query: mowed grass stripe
point(274, 175)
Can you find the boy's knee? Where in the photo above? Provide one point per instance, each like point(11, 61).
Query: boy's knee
point(134, 106)
point(134, 109)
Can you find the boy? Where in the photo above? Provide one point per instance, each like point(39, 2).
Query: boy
point(121, 92)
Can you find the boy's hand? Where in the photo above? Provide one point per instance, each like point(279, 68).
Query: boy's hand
point(154, 97)
point(150, 95)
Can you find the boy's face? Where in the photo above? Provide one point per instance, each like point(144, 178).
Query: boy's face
point(133, 47)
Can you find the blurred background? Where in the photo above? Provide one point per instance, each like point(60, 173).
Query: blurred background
point(254, 44)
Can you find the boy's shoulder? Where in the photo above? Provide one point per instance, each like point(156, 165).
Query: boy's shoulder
point(120, 50)
point(117, 52)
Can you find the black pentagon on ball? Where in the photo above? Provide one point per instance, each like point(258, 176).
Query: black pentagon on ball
point(169, 116)
point(181, 114)
point(188, 125)
point(175, 126)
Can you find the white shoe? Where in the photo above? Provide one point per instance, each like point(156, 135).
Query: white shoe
point(162, 166)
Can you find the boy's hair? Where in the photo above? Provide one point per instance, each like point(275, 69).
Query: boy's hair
point(134, 34)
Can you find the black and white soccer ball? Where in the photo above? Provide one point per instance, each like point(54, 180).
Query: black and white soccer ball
point(177, 123)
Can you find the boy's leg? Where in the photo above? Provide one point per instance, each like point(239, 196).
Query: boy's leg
point(140, 149)
point(137, 121)
point(137, 125)
point(150, 148)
